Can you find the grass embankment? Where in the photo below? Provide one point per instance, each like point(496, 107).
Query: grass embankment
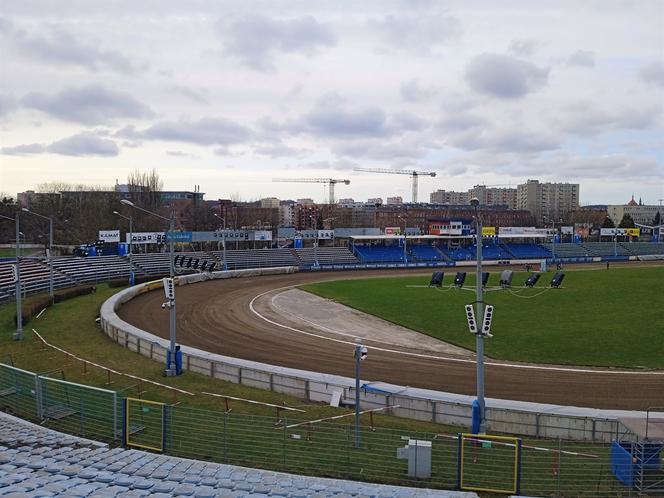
point(199, 428)
point(601, 318)
point(70, 325)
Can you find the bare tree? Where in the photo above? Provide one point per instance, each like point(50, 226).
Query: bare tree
point(145, 188)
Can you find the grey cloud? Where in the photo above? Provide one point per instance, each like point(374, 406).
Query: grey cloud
point(279, 150)
point(92, 104)
point(205, 131)
point(81, 144)
point(586, 119)
point(504, 76)
point(412, 91)
point(333, 121)
point(7, 105)
point(198, 96)
point(653, 73)
point(255, 39)
point(340, 165)
point(379, 150)
point(583, 58)
point(23, 150)
point(85, 144)
point(179, 153)
point(524, 48)
point(418, 33)
point(53, 45)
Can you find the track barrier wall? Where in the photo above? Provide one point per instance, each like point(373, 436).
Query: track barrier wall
point(503, 416)
point(540, 467)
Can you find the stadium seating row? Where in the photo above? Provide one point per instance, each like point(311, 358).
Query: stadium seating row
point(68, 271)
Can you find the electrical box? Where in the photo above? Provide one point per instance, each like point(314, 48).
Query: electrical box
point(418, 454)
point(14, 274)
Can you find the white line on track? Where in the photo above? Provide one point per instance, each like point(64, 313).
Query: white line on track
point(442, 358)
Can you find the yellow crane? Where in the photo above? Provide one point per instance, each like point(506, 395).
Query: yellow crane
point(331, 182)
point(410, 172)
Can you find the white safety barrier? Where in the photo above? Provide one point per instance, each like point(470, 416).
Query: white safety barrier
point(512, 417)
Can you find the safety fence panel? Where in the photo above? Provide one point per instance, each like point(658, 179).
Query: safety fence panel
point(489, 463)
point(145, 424)
point(568, 468)
point(18, 394)
point(82, 410)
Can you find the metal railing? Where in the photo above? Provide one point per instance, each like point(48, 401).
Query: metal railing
point(545, 467)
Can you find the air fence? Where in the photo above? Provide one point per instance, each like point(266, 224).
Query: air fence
point(542, 467)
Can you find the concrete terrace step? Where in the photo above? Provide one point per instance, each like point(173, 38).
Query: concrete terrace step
point(39, 462)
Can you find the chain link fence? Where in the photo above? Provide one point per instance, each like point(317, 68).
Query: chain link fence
point(541, 467)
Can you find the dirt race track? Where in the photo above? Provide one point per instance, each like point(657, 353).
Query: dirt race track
point(216, 316)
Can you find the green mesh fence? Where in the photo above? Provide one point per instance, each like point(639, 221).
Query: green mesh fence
point(82, 410)
point(18, 392)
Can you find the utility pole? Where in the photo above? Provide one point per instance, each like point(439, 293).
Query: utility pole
point(18, 335)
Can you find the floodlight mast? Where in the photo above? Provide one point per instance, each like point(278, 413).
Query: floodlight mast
point(171, 368)
point(479, 298)
point(18, 335)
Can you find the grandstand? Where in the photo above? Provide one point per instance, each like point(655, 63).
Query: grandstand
point(459, 253)
point(379, 254)
point(424, 252)
point(69, 271)
point(34, 278)
point(643, 248)
point(326, 256)
point(571, 250)
point(605, 249)
point(527, 250)
point(237, 259)
point(87, 270)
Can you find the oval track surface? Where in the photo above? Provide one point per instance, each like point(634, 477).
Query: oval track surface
point(215, 316)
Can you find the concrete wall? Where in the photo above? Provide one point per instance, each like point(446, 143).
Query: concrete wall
point(514, 417)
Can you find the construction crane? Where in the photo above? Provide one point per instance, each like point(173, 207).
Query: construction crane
point(331, 182)
point(412, 173)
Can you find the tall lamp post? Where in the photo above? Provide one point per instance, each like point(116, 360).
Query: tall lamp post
point(359, 354)
point(223, 239)
point(171, 370)
point(405, 229)
point(553, 237)
point(479, 301)
point(18, 335)
point(50, 248)
point(131, 237)
point(315, 227)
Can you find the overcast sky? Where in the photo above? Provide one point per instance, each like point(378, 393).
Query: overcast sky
point(228, 95)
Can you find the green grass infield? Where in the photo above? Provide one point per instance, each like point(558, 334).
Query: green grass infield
point(597, 317)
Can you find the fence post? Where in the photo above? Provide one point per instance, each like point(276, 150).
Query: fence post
point(225, 445)
point(560, 447)
point(518, 467)
point(459, 462)
point(38, 398)
point(284, 441)
point(115, 416)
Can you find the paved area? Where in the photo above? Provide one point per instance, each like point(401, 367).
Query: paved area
point(38, 462)
point(324, 315)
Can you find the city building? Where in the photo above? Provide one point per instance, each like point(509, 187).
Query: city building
point(449, 197)
point(494, 196)
point(640, 213)
point(552, 201)
point(270, 202)
point(394, 201)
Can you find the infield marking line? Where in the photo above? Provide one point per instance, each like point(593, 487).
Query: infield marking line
point(441, 358)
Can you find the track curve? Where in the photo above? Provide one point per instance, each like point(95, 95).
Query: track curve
point(216, 316)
